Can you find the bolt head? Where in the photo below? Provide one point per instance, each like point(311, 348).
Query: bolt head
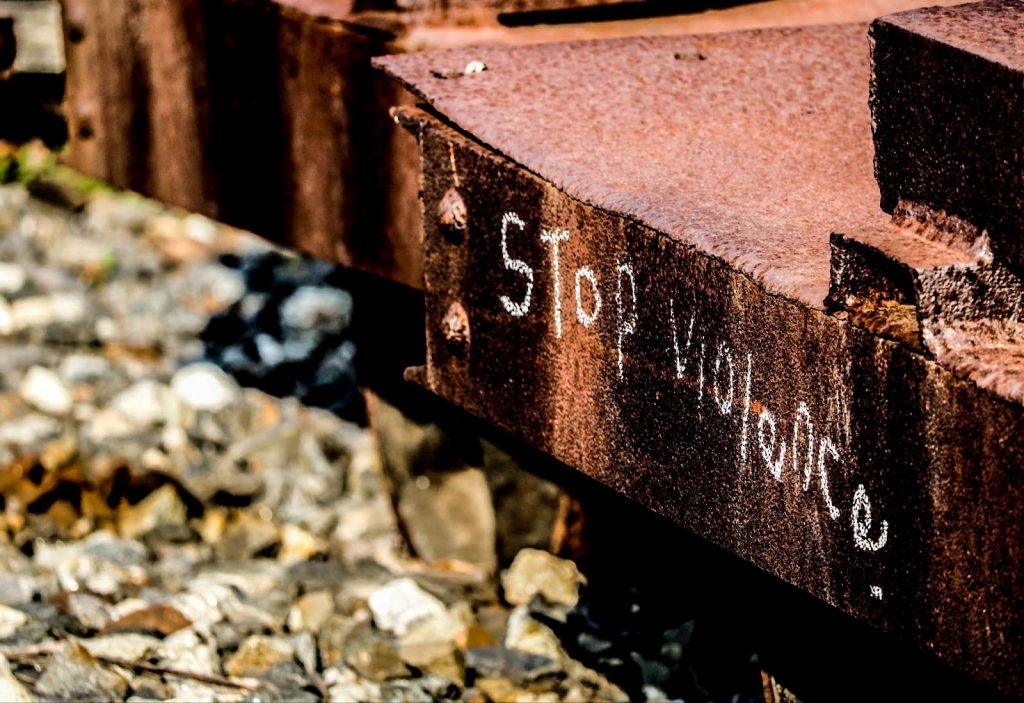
point(456, 327)
point(452, 214)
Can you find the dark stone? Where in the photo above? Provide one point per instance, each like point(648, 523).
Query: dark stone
point(74, 675)
point(512, 664)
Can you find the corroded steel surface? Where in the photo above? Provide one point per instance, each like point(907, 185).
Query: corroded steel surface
point(749, 146)
point(676, 279)
point(948, 98)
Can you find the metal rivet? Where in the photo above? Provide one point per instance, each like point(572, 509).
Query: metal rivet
point(456, 327)
point(451, 212)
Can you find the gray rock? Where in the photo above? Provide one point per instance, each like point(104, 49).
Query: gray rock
point(144, 403)
point(305, 651)
point(247, 536)
point(162, 507)
point(108, 424)
point(80, 368)
point(29, 430)
point(525, 505)
point(44, 390)
point(12, 690)
point(405, 692)
point(104, 546)
point(402, 604)
point(149, 687)
point(10, 620)
point(436, 657)
point(75, 675)
point(536, 572)
point(257, 654)
point(333, 636)
point(216, 284)
point(12, 278)
point(186, 650)
point(272, 692)
point(311, 611)
point(129, 646)
point(299, 545)
point(91, 611)
point(229, 635)
point(517, 666)
point(372, 656)
point(449, 515)
point(345, 685)
point(41, 311)
point(528, 635)
point(16, 588)
point(271, 351)
point(6, 318)
point(505, 691)
point(287, 676)
point(45, 623)
point(314, 308)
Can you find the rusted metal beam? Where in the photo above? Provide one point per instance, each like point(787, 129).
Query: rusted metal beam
point(265, 113)
point(662, 262)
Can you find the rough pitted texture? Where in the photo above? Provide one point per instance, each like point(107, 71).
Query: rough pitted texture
point(947, 101)
point(752, 146)
point(987, 29)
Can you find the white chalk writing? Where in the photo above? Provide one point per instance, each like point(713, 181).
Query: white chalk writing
point(517, 265)
point(627, 322)
point(812, 453)
point(587, 319)
point(862, 523)
point(554, 238)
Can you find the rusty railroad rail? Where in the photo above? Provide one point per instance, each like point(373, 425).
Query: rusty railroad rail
point(659, 259)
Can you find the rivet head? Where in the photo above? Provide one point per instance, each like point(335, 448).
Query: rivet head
point(456, 327)
point(451, 212)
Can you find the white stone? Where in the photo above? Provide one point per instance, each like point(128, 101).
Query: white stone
point(185, 650)
point(199, 228)
point(317, 308)
point(12, 278)
point(6, 318)
point(44, 310)
point(343, 684)
point(131, 646)
point(10, 620)
point(311, 611)
point(144, 403)
point(401, 605)
point(535, 571)
point(203, 386)
point(12, 690)
point(526, 634)
point(43, 389)
point(76, 368)
point(29, 429)
point(109, 424)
